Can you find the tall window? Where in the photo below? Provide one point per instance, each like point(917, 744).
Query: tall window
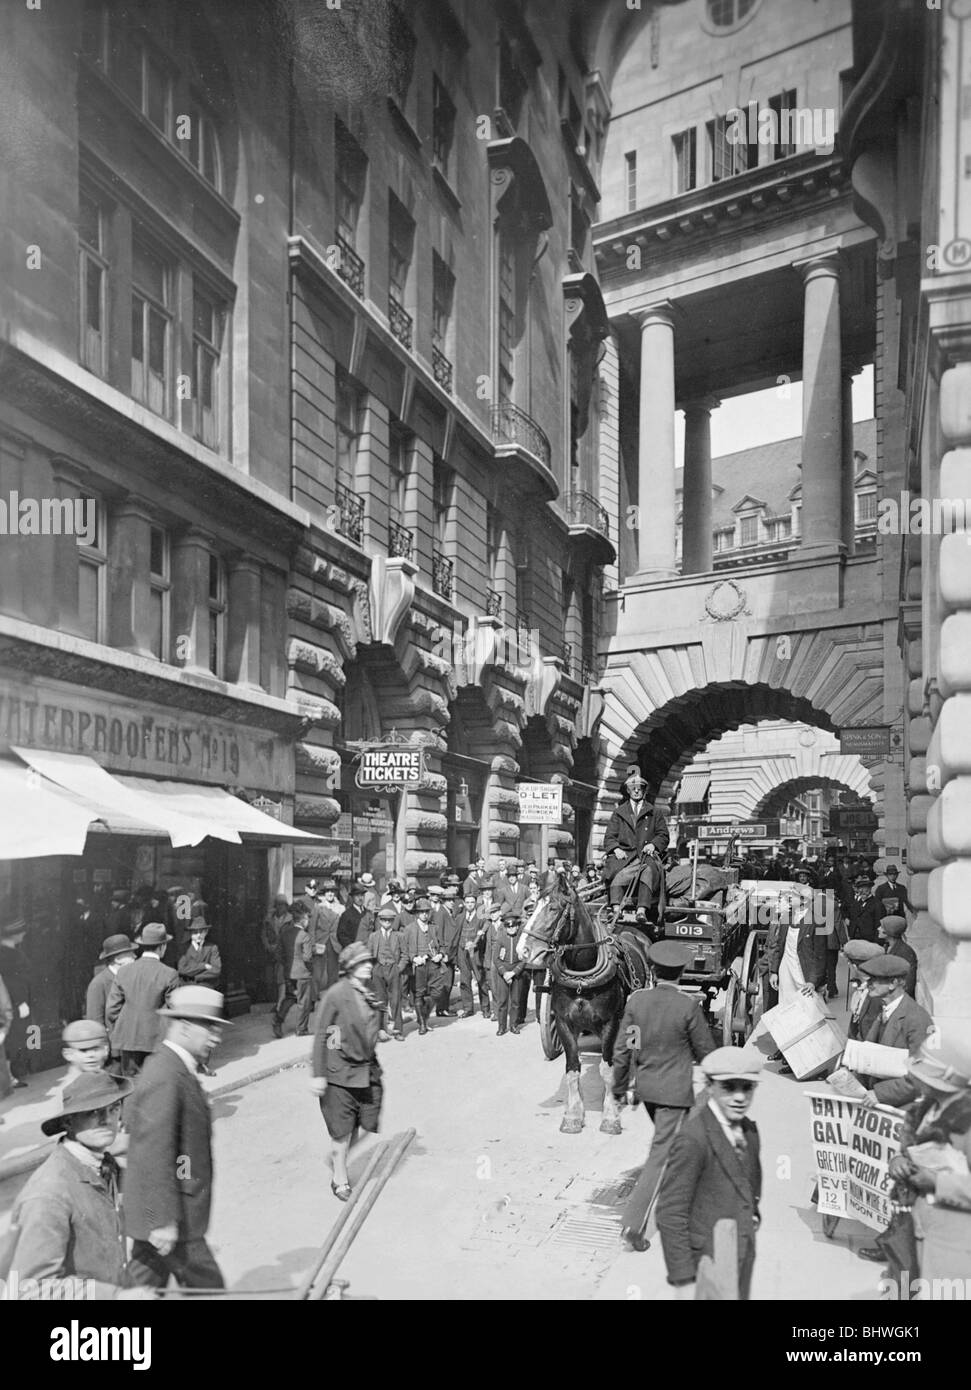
point(348, 432)
point(150, 327)
point(749, 530)
point(94, 31)
point(443, 128)
point(866, 508)
point(685, 160)
point(206, 341)
point(727, 156)
point(142, 74)
point(93, 578)
point(93, 280)
point(784, 145)
point(512, 81)
point(507, 317)
point(630, 169)
point(351, 172)
point(443, 296)
point(441, 501)
point(398, 451)
point(217, 616)
point(401, 46)
point(493, 543)
point(401, 241)
point(159, 589)
point(203, 146)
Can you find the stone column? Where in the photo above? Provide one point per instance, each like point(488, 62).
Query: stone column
point(655, 454)
point(822, 430)
point(696, 546)
point(243, 645)
point(190, 601)
point(129, 583)
point(848, 474)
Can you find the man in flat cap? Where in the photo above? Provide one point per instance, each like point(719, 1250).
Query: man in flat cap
point(505, 926)
point(863, 1009)
point(67, 1220)
point(662, 1034)
point(892, 933)
point(116, 951)
point(901, 1023)
point(386, 950)
point(714, 1173)
point(168, 1187)
point(634, 843)
point(137, 992)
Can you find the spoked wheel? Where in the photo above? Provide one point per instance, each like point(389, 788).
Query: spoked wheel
point(548, 1031)
point(752, 982)
point(731, 1033)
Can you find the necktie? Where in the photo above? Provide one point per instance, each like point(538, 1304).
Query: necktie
point(109, 1175)
point(738, 1137)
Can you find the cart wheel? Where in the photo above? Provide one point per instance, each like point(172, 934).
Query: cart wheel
point(548, 1032)
point(752, 982)
point(729, 1030)
point(829, 1226)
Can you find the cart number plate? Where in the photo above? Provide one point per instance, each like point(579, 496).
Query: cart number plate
point(688, 929)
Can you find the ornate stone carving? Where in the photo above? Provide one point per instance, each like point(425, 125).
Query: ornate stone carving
point(316, 810)
point(426, 823)
point(314, 760)
point(726, 601)
point(503, 830)
point(390, 592)
point(362, 612)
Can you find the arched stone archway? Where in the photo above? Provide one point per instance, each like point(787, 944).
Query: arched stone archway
point(798, 786)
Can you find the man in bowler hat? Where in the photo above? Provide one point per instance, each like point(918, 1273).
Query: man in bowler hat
point(137, 992)
point(116, 951)
point(168, 1187)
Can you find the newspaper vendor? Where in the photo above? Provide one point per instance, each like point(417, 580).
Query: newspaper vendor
point(900, 1022)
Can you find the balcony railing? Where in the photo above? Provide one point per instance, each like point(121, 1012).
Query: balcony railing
point(510, 425)
point(350, 514)
point(583, 509)
point(442, 368)
point(442, 568)
point(401, 541)
point(493, 603)
point(350, 267)
point(400, 321)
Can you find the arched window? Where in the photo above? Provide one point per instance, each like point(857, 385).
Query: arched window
point(728, 14)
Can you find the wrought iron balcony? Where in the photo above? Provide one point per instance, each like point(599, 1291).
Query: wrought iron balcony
point(350, 267)
point(442, 368)
point(493, 603)
point(401, 541)
point(442, 568)
point(350, 514)
point(589, 525)
point(510, 425)
point(400, 321)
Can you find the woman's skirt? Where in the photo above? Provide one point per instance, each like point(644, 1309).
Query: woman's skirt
point(346, 1108)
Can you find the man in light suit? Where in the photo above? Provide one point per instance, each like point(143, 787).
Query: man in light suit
point(714, 1173)
point(634, 844)
point(662, 1034)
point(168, 1185)
point(137, 993)
point(900, 1022)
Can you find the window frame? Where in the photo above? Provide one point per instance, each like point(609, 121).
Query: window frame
point(160, 583)
point(685, 141)
point(96, 256)
point(630, 180)
point(443, 128)
point(867, 497)
point(202, 120)
point(213, 348)
point(96, 557)
point(165, 310)
point(786, 100)
point(216, 607)
point(346, 390)
point(749, 520)
point(443, 308)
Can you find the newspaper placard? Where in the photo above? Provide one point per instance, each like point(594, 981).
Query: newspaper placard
point(852, 1146)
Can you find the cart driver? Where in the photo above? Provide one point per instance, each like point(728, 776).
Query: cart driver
point(634, 844)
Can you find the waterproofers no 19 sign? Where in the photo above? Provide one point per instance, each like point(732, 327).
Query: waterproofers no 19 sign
point(391, 765)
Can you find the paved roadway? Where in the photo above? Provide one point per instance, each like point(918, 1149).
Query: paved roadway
point(491, 1200)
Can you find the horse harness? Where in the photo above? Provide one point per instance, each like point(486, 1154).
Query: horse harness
point(614, 955)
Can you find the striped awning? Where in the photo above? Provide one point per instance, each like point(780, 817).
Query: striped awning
point(694, 787)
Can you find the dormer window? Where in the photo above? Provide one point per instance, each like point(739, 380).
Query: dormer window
point(748, 530)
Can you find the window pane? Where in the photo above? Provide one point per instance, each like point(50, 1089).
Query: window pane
point(156, 342)
point(203, 317)
point(205, 378)
point(210, 153)
point(156, 604)
point(157, 552)
point(125, 64)
point(148, 271)
point(137, 329)
point(215, 591)
point(89, 222)
point(92, 294)
point(214, 625)
point(88, 599)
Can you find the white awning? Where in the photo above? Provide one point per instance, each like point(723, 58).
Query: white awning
point(38, 819)
point(229, 815)
point(694, 787)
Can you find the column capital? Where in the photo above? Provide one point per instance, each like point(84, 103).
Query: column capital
point(813, 267)
point(192, 535)
point(239, 561)
point(665, 311)
point(698, 405)
point(127, 504)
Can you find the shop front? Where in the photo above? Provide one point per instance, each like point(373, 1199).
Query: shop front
point(112, 796)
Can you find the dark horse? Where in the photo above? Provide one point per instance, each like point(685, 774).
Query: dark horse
point(593, 971)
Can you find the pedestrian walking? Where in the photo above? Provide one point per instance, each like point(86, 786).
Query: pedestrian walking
point(714, 1173)
point(661, 1036)
point(67, 1219)
point(116, 951)
point(423, 950)
point(273, 925)
point(137, 993)
point(504, 928)
point(452, 918)
point(322, 930)
point(295, 961)
point(15, 973)
point(387, 952)
point(346, 1071)
point(168, 1185)
point(892, 896)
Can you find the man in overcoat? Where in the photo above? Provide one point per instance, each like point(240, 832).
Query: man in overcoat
point(386, 950)
point(168, 1184)
point(137, 993)
point(634, 845)
point(422, 948)
point(116, 951)
point(714, 1173)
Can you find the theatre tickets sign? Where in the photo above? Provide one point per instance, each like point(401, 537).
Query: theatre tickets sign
point(144, 740)
point(389, 767)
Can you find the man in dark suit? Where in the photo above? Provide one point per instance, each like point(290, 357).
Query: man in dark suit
point(422, 948)
point(476, 878)
point(504, 929)
point(865, 912)
point(714, 1173)
point(15, 973)
point(893, 936)
point(900, 1023)
point(168, 1185)
point(322, 929)
point(634, 844)
point(116, 951)
point(511, 891)
point(386, 950)
point(349, 924)
point(200, 963)
point(662, 1033)
point(892, 895)
point(137, 993)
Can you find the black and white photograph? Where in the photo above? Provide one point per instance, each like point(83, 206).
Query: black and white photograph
point(485, 661)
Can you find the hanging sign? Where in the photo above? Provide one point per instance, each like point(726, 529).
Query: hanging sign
point(390, 766)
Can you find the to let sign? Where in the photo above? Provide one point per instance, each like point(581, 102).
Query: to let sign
point(867, 740)
point(390, 765)
point(540, 803)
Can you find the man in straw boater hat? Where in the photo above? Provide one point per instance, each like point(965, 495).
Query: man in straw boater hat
point(136, 994)
point(714, 1173)
point(116, 951)
point(66, 1221)
point(168, 1187)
